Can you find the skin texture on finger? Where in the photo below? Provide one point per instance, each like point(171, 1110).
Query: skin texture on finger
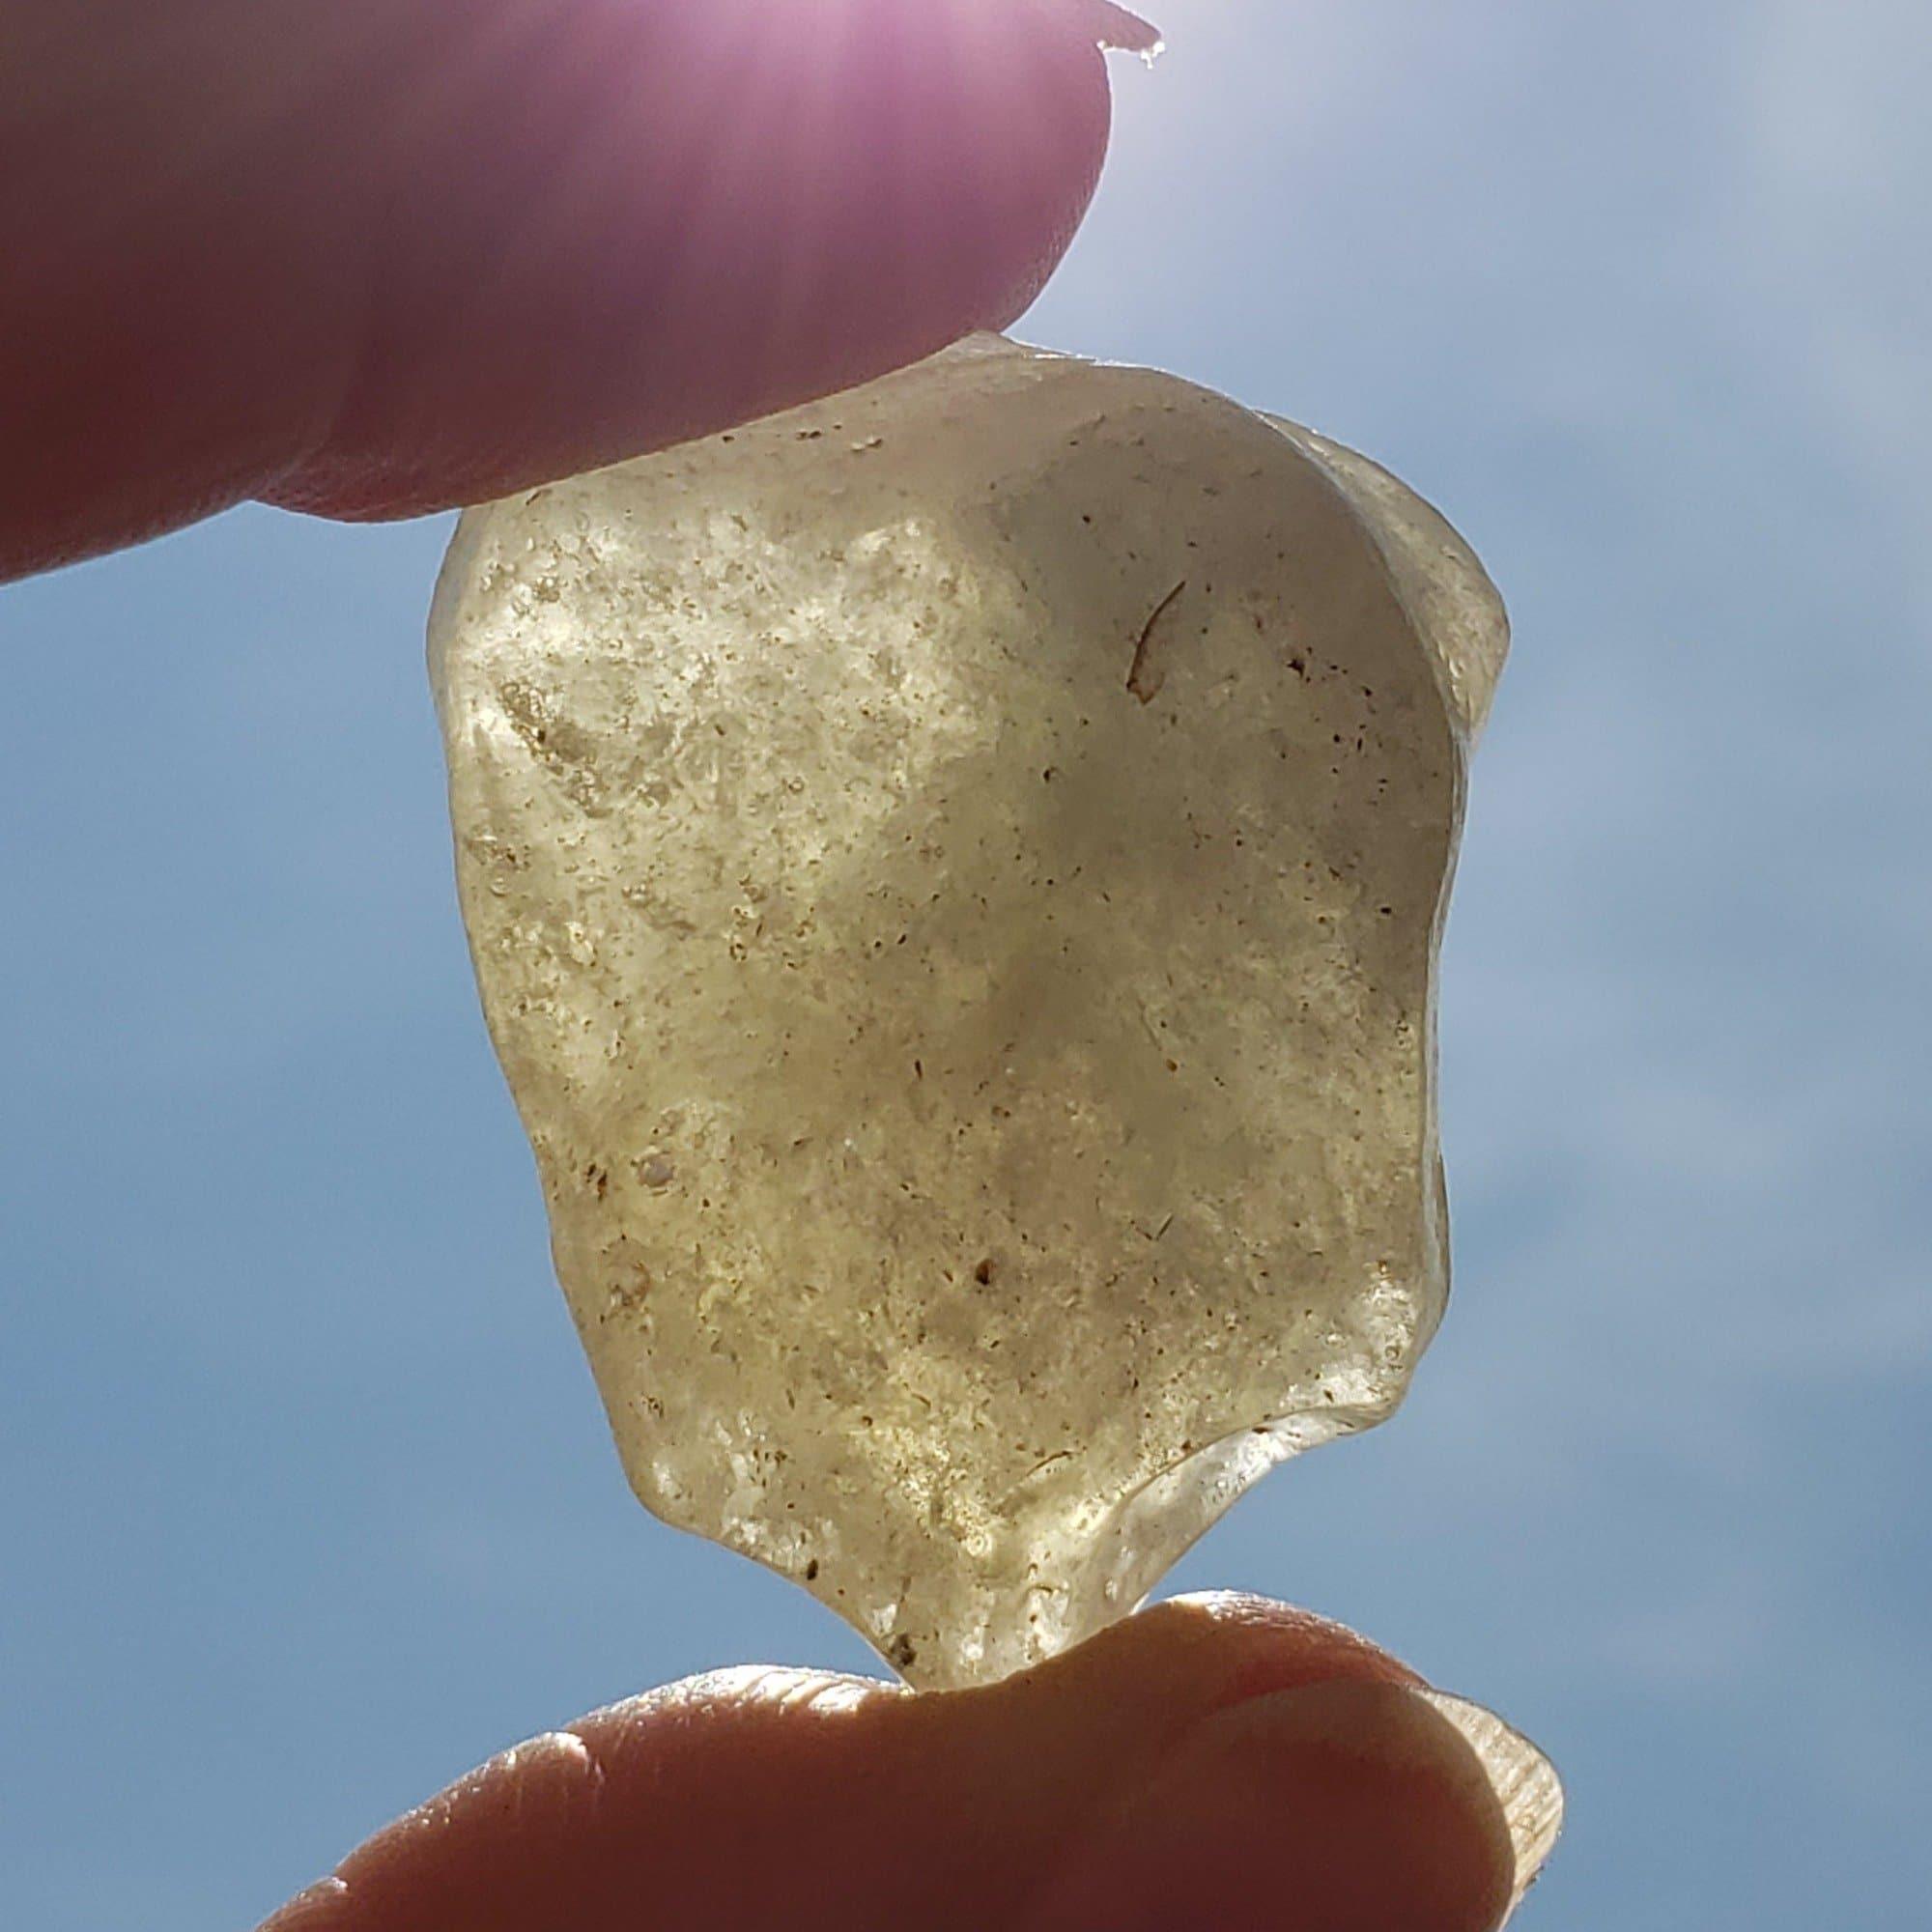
point(375, 257)
point(1217, 1763)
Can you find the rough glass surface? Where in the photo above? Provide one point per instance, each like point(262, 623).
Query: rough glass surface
point(955, 874)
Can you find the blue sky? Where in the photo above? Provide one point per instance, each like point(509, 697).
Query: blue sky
point(305, 1498)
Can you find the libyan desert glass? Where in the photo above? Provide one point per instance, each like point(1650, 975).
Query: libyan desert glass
point(955, 874)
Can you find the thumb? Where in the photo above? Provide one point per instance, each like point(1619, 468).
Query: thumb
point(1220, 1762)
point(1340, 1806)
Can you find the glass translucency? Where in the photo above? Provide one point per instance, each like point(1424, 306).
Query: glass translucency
point(955, 873)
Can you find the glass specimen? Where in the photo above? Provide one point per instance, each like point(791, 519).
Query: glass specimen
point(955, 874)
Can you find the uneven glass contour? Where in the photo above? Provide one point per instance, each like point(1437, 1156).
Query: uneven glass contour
point(955, 874)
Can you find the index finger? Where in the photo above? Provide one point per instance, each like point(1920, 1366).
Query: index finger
point(380, 257)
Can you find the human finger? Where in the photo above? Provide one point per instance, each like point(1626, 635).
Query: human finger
point(1219, 1762)
point(377, 257)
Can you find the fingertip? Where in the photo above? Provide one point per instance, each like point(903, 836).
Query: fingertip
point(1345, 1805)
point(1218, 1760)
point(381, 258)
point(654, 222)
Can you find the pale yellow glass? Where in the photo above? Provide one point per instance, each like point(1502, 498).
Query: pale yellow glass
point(955, 875)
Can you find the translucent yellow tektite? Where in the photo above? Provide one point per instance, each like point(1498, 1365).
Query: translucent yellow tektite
point(955, 874)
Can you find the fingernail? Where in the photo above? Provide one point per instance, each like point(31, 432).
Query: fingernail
point(1127, 31)
point(1524, 1781)
point(1340, 1806)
